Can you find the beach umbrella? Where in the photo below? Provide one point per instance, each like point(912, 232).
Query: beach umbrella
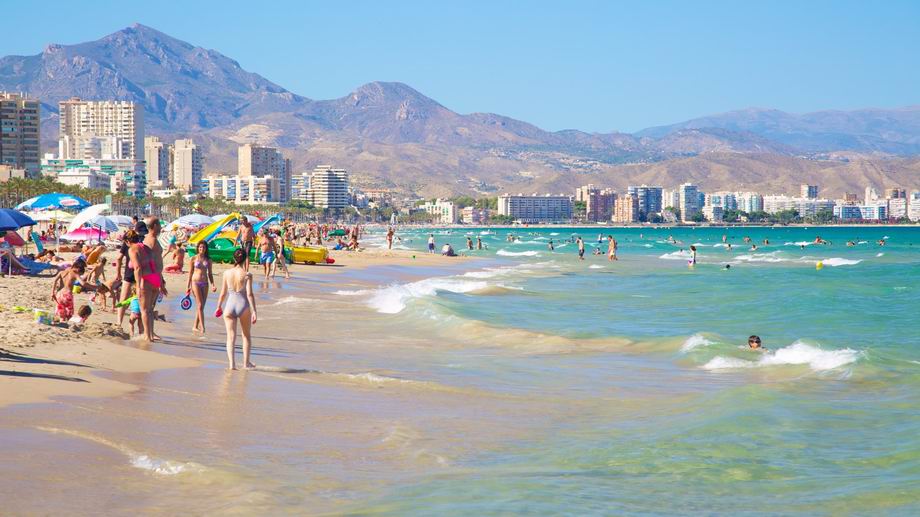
point(86, 215)
point(50, 215)
point(14, 219)
point(13, 239)
point(103, 222)
point(53, 201)
point(193, 220)
point(85, 234)
point(122, 220)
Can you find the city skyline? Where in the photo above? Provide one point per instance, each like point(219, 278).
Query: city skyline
point(643, 61)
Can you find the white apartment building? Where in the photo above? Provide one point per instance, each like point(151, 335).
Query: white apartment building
point(188, 166)
point(713, 213)
point(749, 202)
point(85, 178)
point(445, 211)
point(536, 209)
point(871, 195)
point(257, 160)
point(897, 207)
point(804, 206)
point(156, 154)
point(689, 201)
point(808, 191)
point(128, 175)
point(243, 190)
point(115, 126)
point(875, 211)
point(328, 188)
point(913, 205)
point(670, 199)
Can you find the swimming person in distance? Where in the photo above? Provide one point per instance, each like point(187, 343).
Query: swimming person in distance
point(692, 260)
point(754, 344)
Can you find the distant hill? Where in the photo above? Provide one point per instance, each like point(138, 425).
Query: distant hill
point(389, 134)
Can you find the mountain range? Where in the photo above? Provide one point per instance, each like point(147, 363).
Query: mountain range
point(390, 135)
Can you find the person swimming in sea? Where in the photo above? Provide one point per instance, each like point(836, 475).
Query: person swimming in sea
point(551, 246)
point(692, 260)
point(754, 343)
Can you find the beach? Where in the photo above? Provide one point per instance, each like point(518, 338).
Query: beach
point(517, 381)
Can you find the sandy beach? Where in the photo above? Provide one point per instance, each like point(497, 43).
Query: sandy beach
point(40, 362)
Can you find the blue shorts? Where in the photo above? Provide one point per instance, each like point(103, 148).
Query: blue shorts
point(135, 306)
point(267, 258)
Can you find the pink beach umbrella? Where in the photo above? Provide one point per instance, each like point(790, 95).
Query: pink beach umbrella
point(85, 234)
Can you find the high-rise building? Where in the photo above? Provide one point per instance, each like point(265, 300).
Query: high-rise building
point(895, 193)
point(125, 176)
point(328, 187)
point(913, 206)
point(749, 202)
point(19, 132)
point(257, 160)
point(99, 126)
point(809, 191)
point(689, 201)
point(473, 215)
point(536, 209)
point(650, 200)
point(627, 209)
point(598, 202)
point(156, 154)
point(188, 166)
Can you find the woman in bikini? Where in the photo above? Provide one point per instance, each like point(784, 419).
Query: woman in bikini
point(199, 277)
point(236, 289)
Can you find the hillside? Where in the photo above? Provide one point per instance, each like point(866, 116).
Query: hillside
point(389, 134)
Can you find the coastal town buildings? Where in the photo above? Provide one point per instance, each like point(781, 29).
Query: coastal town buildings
point(599, 202)
point(156, 154)
point(94, 129)
point(689, 201)
point(808, 191)
point(536, 209)
point(188, 166)
point(445, 212)
point(473, 215)
point(20, 132)
point(327, 187)
point(649, 200)
point(7, 173)
point(261, 161)
point(243, 190)
point(627, 209)
point(123, 176)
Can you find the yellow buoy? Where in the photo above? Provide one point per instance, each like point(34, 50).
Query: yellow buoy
point(819, 265)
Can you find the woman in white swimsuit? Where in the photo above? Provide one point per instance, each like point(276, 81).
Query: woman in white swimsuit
point(236, 289)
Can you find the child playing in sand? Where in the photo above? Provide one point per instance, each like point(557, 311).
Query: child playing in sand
point(134, 308)
point(95, 276)
point(62, 289)
point(81, 316)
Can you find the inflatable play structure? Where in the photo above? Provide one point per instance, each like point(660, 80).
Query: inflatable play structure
point(222, 243)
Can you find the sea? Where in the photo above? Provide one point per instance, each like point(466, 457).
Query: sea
point(529, 381)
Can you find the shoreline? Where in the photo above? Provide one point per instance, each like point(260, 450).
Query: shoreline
point(39, 363)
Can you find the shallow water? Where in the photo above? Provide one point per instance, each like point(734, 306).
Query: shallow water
point(529, 382)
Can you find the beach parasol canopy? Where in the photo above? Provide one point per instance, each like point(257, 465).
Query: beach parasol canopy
point(85, 234)
point(104, 223)
point(50, 215)
point(193, 220)
point(122, 220)
point(53, 201)
point(86, 215)
point(13, 239)
point(14, 219)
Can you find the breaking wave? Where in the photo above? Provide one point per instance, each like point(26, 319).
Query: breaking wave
point(797, 353)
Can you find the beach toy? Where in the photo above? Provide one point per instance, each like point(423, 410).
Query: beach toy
point(126, 302)
point(186, 302)
point(77, 288)
point(19, 308)
point(218, 313)
point(41, 317)
point(819, 265)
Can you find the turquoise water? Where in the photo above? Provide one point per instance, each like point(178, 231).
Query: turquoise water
point(674, 414)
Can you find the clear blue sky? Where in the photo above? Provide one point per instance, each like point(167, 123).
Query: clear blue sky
point(597, 66)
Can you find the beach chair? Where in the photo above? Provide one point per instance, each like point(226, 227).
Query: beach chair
point(39, 246)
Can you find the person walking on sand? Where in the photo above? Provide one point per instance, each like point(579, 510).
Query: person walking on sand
point(266, 251)
point(581, 248)
point(147, 258)
point(611, 248)
point(245, 238)
point(430, 243)
point(236, 290)
point(200, 276)
point(390, 233)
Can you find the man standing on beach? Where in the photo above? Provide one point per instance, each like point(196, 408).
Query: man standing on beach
point(390, 233)
point(611, 248)
point(147, 258)
point(581, 248)
point(267, 251)
point(245, 239)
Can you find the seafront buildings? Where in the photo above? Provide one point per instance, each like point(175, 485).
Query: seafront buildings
point(445, 212)
point(599, 202)
point(261, 161)
point(627, 209)
point(119, 176)
point(536, 209)
point(328, 188)
point(20, 132)
point(689, 201)
point(91, 129)
point(156, 154)
point(188, 166)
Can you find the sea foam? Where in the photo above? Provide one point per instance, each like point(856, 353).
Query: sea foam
point(505, 253)
point(393, 299)
point(695, 341)
point(797, 353)
point(837, 261)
